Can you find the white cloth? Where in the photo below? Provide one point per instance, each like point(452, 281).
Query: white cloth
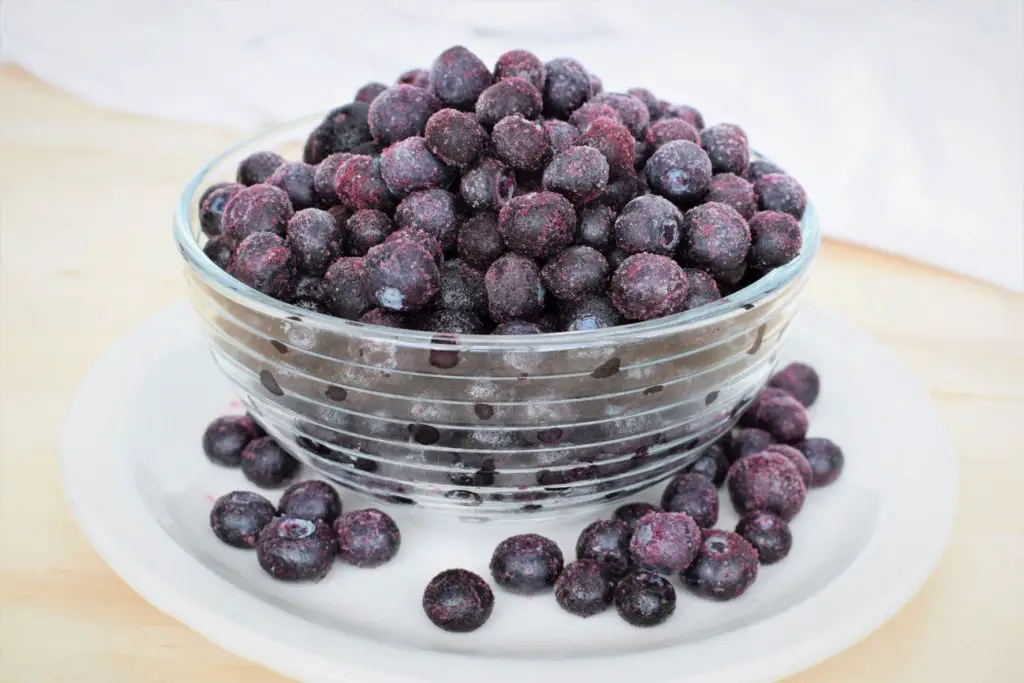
point(903, 119)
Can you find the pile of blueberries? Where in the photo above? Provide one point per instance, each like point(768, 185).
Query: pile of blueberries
point(767, 465)
point(518, 200)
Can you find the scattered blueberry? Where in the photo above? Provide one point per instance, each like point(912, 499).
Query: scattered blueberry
point(266, 464)
point(713, 463)
point(747, 441)
point(226, 437)
point(367, 538)
point(769, 534)
point(800, 380)
point(665, 542)
point(447, 321)
point(725, 567)
point(606, 542)
point(458, 601)
point(695, 495)
point(310, 500)
point(238, 517)
point(645, 599)
point(825, 458)
point(291, 549)
point(258, 167)
point(778, 413)
point(631, 513)
point(526, 564)
point(796, 457)
point(583, 590)
point(766, 481)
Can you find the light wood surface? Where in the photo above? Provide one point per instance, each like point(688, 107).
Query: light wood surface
point(86, 254)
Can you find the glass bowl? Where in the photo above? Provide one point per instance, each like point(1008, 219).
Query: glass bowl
point(477, 426)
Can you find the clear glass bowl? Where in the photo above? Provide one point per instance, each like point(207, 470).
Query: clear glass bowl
point(486, 427)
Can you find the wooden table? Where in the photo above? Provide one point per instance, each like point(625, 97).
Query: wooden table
point(85, 203)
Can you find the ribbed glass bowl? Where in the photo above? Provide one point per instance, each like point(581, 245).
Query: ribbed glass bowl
point(477, 426)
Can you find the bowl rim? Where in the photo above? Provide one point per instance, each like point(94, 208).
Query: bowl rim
point(186, 235)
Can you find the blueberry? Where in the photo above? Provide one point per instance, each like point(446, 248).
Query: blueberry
point(408, 166)
point(462, 288)
point(713, 463)
point(666, 130)
point(344, 293)
point(631, 513)
point(775, 240)
point(645, 599)
point(588, 313)
point(455, 137)
point(514, 289)
point(575, 272)
point(479, 243)
point(596, 84)
point(266, 464)
point(606, 542)
point(702, 289)
point(366, 229)
point(684, 112)
point(344, 129)
point(665, 542)
point(726, 145)
point(226, 437)
point(562, 134)
point(315, 240)
point(614, 141)
point(368, 93)
point(747, 441)
point(649, 223)
point(521, 143)
point(778, 413)
point(378, 316)
point(825, 458)
point(417, 77)
point(648, 286)
point(796, 457)
point(766, 481)
point(566, 88)
point(724, 569)
point(488, 186)
point(420, 237)
point(526, 564)
point(758, 168)
point(401, 274)
point(780, 192)
point(680, 171)
point(257, 167)
point(695, 495)
point(800, 380)
point(260, 208)
point(649, 100)
point(432, 211)
point(458, 601)
point(400, 112)
point(310, 500)
point(715, 238)
point(539, 224)
point(323, 179)
point(218, 250)
point(595, 226)
point(769, 534)
point(579, 173)
point(521, 64)
point(359, 185)
point(731, 189)
point(367, 538)
point(582, 589)
point(291, 549)
point(590, 112)
point(238, 517)
point(458, 77)
point(632, 111)
point(264, 262)
point(507, 97)
point(212, 204)
point(451, 322)
point(518, 327)
point(296, 179)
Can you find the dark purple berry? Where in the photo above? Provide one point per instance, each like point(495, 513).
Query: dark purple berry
point(315, 240)
point(797, 458)
point(588, 314)
point(695, 495)
point(452, 322)
point(488, 186)
point(575, 272)
point(715, 238)
point(665, 542)
point(420, 237)
point(579, 173)
point(291, 549)
point(734, 191)
point(308, 287)
point(264, 262)
point(521, 143)
point(401, 274)
point(367, 538)
point(366, 229)
point(458, 601)
point(260, 208)
point(631, 513)
point(825, 457)
point(400, 112)
point(455, 137)
point(507, 97)
point(311, 305)
point(592, 111)
point(648, 286)
point(378, 316)
point(702, 290)
point(462, 288)
point(596, 221)
point(226, 437)
point(266, 464)
point(433, 212)
point(344, 291)
point(726, 145)
point(666, 130)
point(479, 242)
point(724, 569)
point(744, 442)
point(780, 192)
point(581, 589)
point(775, 240)
point(779, 414)
point(258, 167)
point(539, 224)
point(614, 141)
point(296, 179)
point(458, 77)
point(238, 517)
point(641, 153)
point(417, 77)
point(514, 289)
point(684, 112)
point(631, 110)
point(310, 500)
point(521, 64)
point(800, 380)
point(606, 542)
point(566, 88)
point(713, 463)
point(596, 84)
point(759, 168)
point(622, 190)
point(323, 179)
point(212, 205)
point(359, 184)
point(368, 93)
point(649, 100)
point(408, 166)
point(649, 223)
point(562, 135)
point(679, 170)
point(768, 533)
point(526, 564)
point(518, 327)
point(645, 599)
point(344, 129)
point(218, 250)
point(766, 481)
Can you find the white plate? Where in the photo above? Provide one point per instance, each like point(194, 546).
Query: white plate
point(141, 490)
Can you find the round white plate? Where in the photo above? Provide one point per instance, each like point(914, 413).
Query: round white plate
point(141, 490)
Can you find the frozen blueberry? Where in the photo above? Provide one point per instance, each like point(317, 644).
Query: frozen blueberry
point(521, 143)
point(800, 380)
point(780, 192)
point(458, 77)
point(458, 601)
point(400, 112)
point(378, 316)
point(451, 322)
point(266, 464)
point(614, 141)
point(758, 168)
point(226, 437)
point(606, 542)
point(462, 288)
point(579, 173)
point(308, 287)
point(684, 112)
point(734, 191)
point(631, 110)
point(514, 289)
point(368, 93)
point(566, 88)
point(366, 229)
point(218, 250)
point(596, 85)
point(666, 130)
point(631, 513)
point(575, 272)
point(649, 223)
point(766, 481)
point(291, 549)
point(359, 185)
point(645, 599)
point(315, 240)
point(724, 569)
point(344, 291)
point(507, 97)
point(367, 538)
point(260, 208)
point(408, 166)
point(526, 564)
point(695, 495)
point(779, 414)
point(592, 111)
point(479, 243)
point(518, 327)
point(622, 190)
point(649, 100)
point(455, 137)
point(212, 204)
point(310, 500)
point(418, 77)
point(702, 290)
point(344, 129)
point(401, 274)
point(562, 135)
point(713, 463)
point(521, 64)
point(715, 238)
point(238, 517)
point(726, 145)
point(432, 211)
point(296, 179)
point(311, 305)
point(595, 226)
point(587, 314)
point(648, 286)
point(582, 589)
point(488, 185)
point(679, 170)
point(825, 457)
point(264, 262)
point(665, 542)
point(258, 167)
point(323, 179)
point(768, 533)
point(744, 442)
point(539, 224)
point(420, 237)
point(775, 240)
point(796, 457)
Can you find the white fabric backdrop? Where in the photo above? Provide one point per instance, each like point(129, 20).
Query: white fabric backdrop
point(904, 119)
